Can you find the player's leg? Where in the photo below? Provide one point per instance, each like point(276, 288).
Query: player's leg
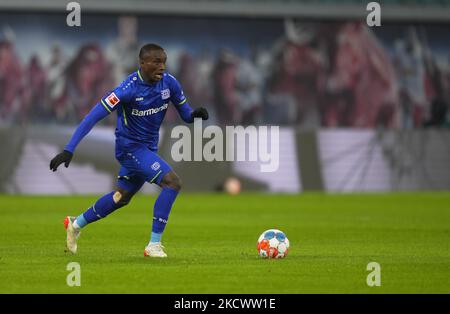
point(108, 203)
point(142, 162)
point(156, 170)
point(104, 206)
point(170, 187)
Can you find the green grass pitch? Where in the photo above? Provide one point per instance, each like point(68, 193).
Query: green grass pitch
point(211, 243)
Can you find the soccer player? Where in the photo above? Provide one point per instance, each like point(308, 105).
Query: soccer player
point(141, 102)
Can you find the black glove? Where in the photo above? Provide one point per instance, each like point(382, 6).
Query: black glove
point(64, 157)
point(200, 113)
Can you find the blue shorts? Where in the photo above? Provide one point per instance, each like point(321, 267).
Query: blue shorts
point(139, 165)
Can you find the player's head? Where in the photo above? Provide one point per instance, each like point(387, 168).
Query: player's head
point(152, 61)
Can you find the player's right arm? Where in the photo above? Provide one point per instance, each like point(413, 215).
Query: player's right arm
point(102, 109)
point(181, 104)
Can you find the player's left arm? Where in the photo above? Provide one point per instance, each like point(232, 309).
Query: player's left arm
point(185, 111)
point(96, 114)
point(119, 96)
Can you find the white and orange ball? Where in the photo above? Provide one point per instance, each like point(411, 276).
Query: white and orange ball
point(273, 243)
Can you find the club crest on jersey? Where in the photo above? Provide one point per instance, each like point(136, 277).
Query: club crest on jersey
point(165, 93)
point(112, 100)
point(155, 166)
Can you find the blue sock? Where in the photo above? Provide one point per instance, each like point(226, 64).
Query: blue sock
point(161, 211)
point(104, 206)
point(156, 237)
point(81, 221)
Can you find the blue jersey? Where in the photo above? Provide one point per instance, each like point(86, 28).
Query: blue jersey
point(141, 106)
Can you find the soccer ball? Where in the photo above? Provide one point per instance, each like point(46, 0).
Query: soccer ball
point(273, 243)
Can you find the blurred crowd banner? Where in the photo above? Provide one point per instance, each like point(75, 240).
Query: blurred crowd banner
point(245, 71)
point(332, 160)
point(359, 108)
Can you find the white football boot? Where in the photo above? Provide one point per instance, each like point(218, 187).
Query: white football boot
point(72, 234)
point(155, 250)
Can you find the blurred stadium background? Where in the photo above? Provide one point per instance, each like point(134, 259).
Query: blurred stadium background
point(359, 108)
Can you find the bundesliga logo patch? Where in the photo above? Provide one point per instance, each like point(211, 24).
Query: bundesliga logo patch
point(165, 93)
point(112, 100)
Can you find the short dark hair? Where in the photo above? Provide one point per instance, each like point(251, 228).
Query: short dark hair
point(147, 48)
